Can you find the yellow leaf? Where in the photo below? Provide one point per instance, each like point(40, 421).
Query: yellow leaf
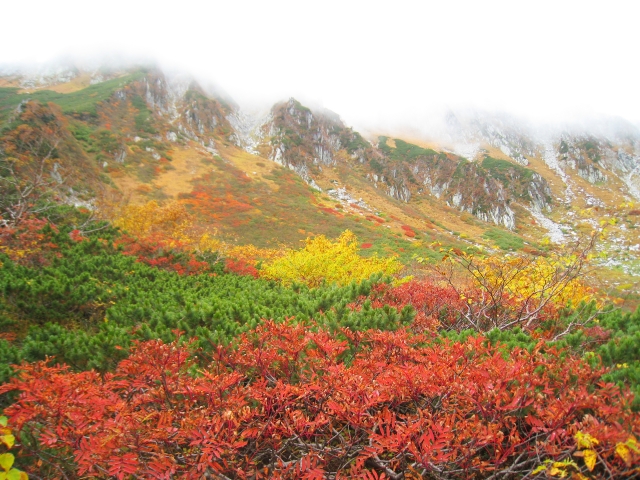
point(590, 458)
point(9, 440)
point(557, 472)
point(6, 461)
point(632, 444)
point(540, 468)
point(584, 440)
point(624, 453)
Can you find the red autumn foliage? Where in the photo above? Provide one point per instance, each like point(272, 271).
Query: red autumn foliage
point(158, 251)
point(408, 231)
point(436, 307)
point(240, 267)
point(430, 225)
point(375, 218)
point(364, 246)
point(9, 337)
point(443, 307)
point(288, 402)
point(28, 243)
point(76, 236)
point(332, 211)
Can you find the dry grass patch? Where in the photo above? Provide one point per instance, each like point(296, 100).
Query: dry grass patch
point(253, 166)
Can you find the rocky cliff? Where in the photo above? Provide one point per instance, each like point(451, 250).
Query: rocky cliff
point(307, 142)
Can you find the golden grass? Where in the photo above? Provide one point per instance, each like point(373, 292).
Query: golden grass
point(9, 83)
point(189, 162)
point(423, 213)
point(79, 83)
point(76, 84)
point(188, 165)
point(253, 166)
point(422, 143)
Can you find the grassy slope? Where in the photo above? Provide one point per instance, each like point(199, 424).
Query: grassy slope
point(82, 101)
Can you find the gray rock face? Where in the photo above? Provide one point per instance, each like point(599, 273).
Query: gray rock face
point(48, 76)
point(182, 104)
point(467, 130)
point(301, 140)
point(247, 130)
point(539, 193)
point(597, 150)
point(120, 155)
point(597, 159)
point(399, 192)
point(307, 142)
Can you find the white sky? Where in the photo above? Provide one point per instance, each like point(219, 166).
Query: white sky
point(369, 61)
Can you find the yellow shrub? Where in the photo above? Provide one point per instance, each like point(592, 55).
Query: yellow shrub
point(171, 219)
point(529, 278)
point(322, 260)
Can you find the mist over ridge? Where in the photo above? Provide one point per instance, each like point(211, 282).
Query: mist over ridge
point(425, 119)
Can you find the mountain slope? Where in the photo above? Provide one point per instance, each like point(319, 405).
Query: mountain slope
point(139, 134)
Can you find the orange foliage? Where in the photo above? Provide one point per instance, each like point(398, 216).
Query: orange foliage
point(283, 403)
point(28, 243)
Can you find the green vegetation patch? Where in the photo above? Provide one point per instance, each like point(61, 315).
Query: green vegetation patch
point(404, 150)
point(504, 239)
point(91, 302)
point(506, 171)
point(82, 102)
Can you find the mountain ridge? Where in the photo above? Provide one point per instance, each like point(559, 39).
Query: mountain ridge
point(132, 123)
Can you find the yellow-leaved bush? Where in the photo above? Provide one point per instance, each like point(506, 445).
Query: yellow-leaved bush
point(529, 278)
point(172, 219)
point(322, 260)
point(177, 227)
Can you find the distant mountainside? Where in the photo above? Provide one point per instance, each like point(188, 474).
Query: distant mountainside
point(307, 142)
point(142, 134)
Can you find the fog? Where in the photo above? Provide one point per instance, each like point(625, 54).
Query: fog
point(380, 65)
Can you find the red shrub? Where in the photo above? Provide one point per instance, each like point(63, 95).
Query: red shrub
point(408, 231)
point(160, 252)
point(331, 211)
point(29, 243)
point(77, 236)
point(436, 307)
point(282, 404)
point(240, 267)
